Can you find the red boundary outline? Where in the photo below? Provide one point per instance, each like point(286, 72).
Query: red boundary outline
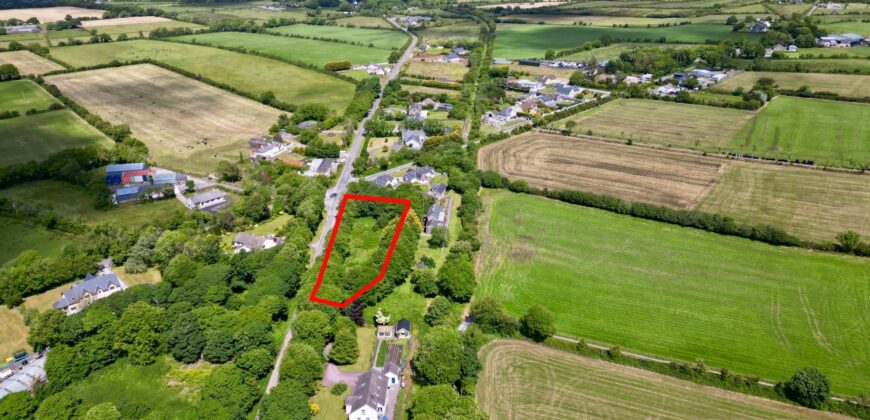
point(348, 301)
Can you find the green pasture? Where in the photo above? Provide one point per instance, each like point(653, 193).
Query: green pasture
point(681, 293)
point(612, 52)
point(856, 52)
point(247, 73)
point(379, 38)
point(855, 27)
point(23, 95)
point(35, 137)
point(47, 243)
point(515, 41)
point(831, 65)
point(456, 32)
point(842, 84)
point(309, 51)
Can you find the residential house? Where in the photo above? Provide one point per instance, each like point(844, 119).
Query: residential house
point(437, 191)
point(568, 90)
point(416, 112)
point(500, 117)
point(760, 26)
point(528, 106)
point(403, 329)
point(210, 200)
point(550, 100)
point(419, 175)
point(667, 89)
point(326, 166)
point(435, 217)
point(632, 80)
point(413, 139)
point(115, 173)
point(459, 51)
point(647, 77)
point(385, 180)
point(792, 48)
point(369, 398)
point(89, 290)
point(527, 84)
point(247, 242)
point(552, 80)
point(451, 58)
point(267, 151)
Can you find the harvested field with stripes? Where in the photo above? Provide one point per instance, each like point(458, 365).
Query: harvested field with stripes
point(49, 14)
point(521, 380)
point(186, 124)
point(850, 85)
point(28, 63)
point(133, 20)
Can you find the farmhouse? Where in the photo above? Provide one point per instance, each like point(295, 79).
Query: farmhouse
point(326, 167)
point(419, 175)
point(211, 200)
point(247, 242)
point(91, 289)
point(369, 398)
point(413, 139)
point(760, 26)
point(435, 217)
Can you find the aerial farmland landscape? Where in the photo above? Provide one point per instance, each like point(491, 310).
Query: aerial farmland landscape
point(450, 209)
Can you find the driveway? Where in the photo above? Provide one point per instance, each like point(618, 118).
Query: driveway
point(334, 375)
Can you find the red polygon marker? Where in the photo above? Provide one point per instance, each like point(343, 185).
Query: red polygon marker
point(348, 301)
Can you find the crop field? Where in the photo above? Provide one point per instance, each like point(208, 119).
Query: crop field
point(379, 38)
point(679, 292)
point(842, 84)
point(309, 51)
point(430, 90)
point(185, 124)
point(612, 52)
point(452, 71)
point(49, 14)
point(832, 133)
point(807, 203)
point(526, 41)
point(674, 179)
point(662, 122)
point(23, 95)
point(455, 32)
point(521, 380)
point(131, 29)
point(124, 21)
point(609, 21)
point(28, 63)
point(247, 73)
point(35, 137)
point(364, 21)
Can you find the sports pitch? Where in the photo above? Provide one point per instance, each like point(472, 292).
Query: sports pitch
point(679, 292)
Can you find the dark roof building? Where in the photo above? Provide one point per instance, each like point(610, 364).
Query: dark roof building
point(369, 398)
point(90, 289)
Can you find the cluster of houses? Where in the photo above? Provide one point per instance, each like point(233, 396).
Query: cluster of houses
point(456, 55)
point(548, 92)
point(842, 41)
point(133, 181)
point(282, 145)
point(375, 390)
point(768, 52)
point(439, 213)
point(376, 69)
point(705, 78)
point(414, 21)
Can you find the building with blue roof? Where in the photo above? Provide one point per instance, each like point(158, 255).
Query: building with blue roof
point(126, 194)
point(115, 173)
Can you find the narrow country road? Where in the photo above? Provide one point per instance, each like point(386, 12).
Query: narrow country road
point(334, 194)
point(276, 371)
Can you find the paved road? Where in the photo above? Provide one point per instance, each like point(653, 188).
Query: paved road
point(334, 194)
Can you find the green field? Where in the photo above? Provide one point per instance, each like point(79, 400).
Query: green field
point(612, 52)
point(47, 243)
point(857, 52)
point(831, 133)
point(455, 32)
point(132, 30)
point(23, 95)
point(247, 73)
point(35, 137)
point(379, 38)
point(679, 292)
point(73, 202)
point(308, 51)
point(854, 65)
point(530, 381)
point(855, 27)
point(842, 84)
point(515, 41)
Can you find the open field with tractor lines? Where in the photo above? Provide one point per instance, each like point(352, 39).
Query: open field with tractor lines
point(24, 95)
point(378, 38)
point(133, 20)
point(842, 84)
point(521, 380)
point(247, 73)
point(35, 137)
point(49, 14)
point(679, 292)
point(185, 124)
point(28, 63)
point(811, 204)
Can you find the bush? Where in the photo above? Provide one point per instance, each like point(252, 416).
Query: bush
point(537, 324)
point(808, 387)
point(337, 65)
point(338, 389)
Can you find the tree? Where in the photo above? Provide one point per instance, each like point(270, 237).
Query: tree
point(337, 65)
point(232, 388)
point(438, 359)
point(302, 364)
point(186, 339)
point(439, 238)
point(257, 362)
point(18, 406)
point(456, 277)
point(848, 241)
point(537, 323)
point(45, 329)
point(104, 411)
point(228, 171)
point(808, 387)
point(437, 311)
point(138, 333)
point(287, 401)
point(425, 283)
point(442, 402)
point(732, 20)
point(60, 406)
point(253, 335)
point(344, 350)
point(8, 71)
point(218, 347)
point(313, 328)
point(549, 54)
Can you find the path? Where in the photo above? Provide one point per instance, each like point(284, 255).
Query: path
point(276, 371)
point(333, 375)
point(334, 194)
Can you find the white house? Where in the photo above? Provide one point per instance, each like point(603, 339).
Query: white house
point(247, 242)
point(413, 139)
point(89, 290)
point(501, 116)
point(206, 200)
point(419, 175)
point(568, 90)
point(326, 167)
point(393, 372)
point(268, 151)
point(403, 328)
point(385, 180)
point(369, 398)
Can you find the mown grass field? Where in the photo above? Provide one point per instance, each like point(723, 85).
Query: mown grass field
point(527, 41)
point(430, 90)
point(831, 133)
point(842, 84)
point(35, 137)
point(331, 406)
point(49, 14)
point(831, 52)
point(521, 380)
point(23, 236)
point(855, 27)
point(612, 52)
point(364, 21)
point(28, 63)
point(679, 292)
point(379, 38)
point(187, 125)
point(455, 32)
point(247, 73)
point(452, 71)
point(609, 21)
point(830, 65)
point(23, 95)
point(365, 341)
point(309, 51)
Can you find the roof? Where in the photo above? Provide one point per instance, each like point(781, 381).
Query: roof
point(248, 240)
point(127, 176)
point(89, 285)
point(127, 191)
point(307, 124)
point(404, 324)
point(370, 390)
point(325, 165)
point(434, 211)
point(382, 180)
point(392, 368)
point(413, 135)
point(122, 167)
point(207, 196)
point(438, 189)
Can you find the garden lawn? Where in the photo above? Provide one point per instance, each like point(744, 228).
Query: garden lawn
point(379, 38)
point(403, 302)
point(23, 95)
point(247, 73)
point(45, 300)
point(829, 132)
point(679, 292)
point(331, 406)
point(516, 41)
point(22, 236)
point(848, 85)
point(35, 137)
point(13, 335)
point(309, 51)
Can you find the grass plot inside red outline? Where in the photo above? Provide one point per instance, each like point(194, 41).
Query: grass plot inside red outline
point(348, 301)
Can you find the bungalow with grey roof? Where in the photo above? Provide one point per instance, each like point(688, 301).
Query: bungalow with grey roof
point(435, 217)
point(210, 200)
point(419, 175)
point(416, 112)
point(369, 398)
point(89, 290)
point(500, 117)
point(452, 58)
point(326, 166)
point(437, 191)
point(413, 139)
point(385, 180)
point(568, 90)
point(247, 242)
point(267, 151)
